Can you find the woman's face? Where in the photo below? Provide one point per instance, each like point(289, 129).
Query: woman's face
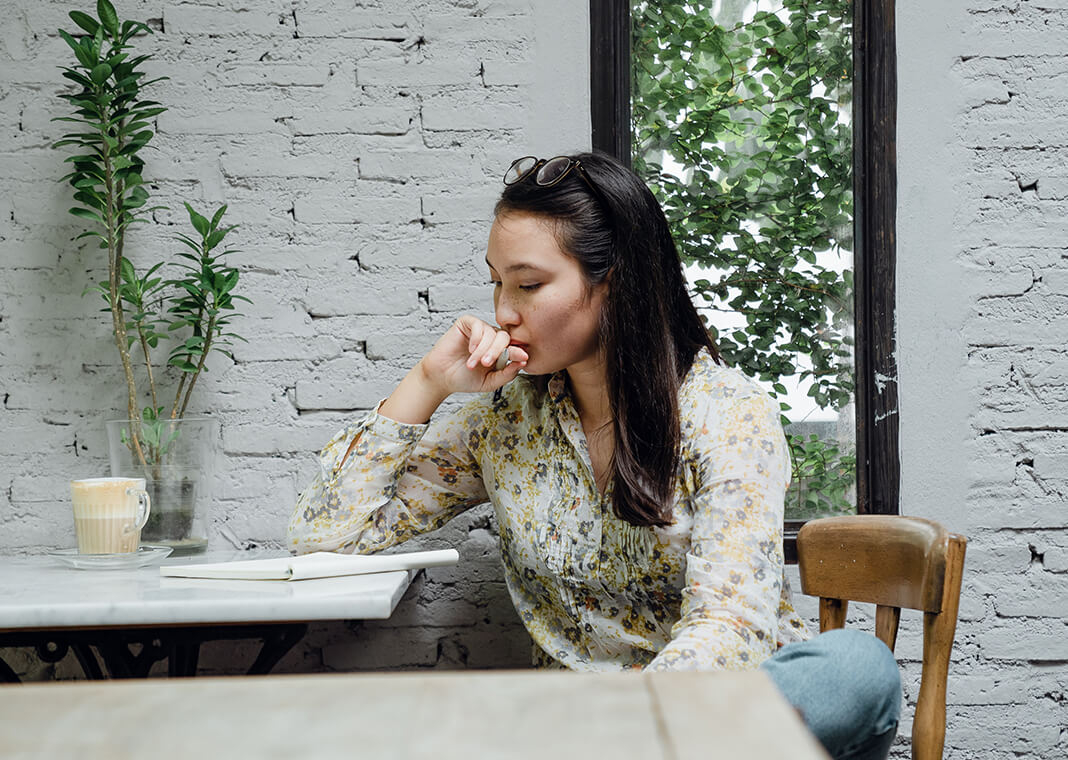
point(540, 295)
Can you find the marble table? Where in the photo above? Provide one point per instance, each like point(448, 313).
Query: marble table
point(52, 607)
point(520, 715)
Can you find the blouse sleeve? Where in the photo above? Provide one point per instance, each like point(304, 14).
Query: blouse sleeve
point(734, 570)
point(382, 482)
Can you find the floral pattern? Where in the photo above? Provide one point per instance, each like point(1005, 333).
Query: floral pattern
point(707, 592)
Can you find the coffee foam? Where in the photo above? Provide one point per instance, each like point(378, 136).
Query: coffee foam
point(106, 514)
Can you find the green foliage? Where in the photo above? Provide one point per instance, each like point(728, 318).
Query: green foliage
point(206, 300)
point(114, 121)
point(755, 110)
point(822, 479)
point(115, 124)
point(156, 434)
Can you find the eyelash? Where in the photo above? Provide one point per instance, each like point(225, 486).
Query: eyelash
point(527, 288)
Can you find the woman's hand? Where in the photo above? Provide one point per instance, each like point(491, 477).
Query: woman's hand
point(464, 360)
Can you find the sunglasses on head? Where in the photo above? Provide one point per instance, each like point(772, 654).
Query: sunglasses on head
point(547, 172)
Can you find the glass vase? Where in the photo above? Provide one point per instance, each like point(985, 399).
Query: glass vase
point(176, 458)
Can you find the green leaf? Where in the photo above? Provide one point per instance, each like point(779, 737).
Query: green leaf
point(200, 224)
point(108, 17)
point(84, 20)
point(218, 218)
point(86, 214)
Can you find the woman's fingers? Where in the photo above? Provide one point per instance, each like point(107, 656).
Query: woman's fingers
point(498, 346)
point(488, 349)
point(483, 346)
point(511, 355)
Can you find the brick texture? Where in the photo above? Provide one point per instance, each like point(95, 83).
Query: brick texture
point(360, 150)
point(982, 278)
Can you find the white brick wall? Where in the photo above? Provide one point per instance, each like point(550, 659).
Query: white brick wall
point(360, 147)
point(982, 252)
point(363, 164)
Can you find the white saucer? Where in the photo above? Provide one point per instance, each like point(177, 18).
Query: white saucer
point(146, 554)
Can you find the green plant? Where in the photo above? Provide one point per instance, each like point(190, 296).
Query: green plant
point(822, 478)
point(194, 308)
point(741, 127)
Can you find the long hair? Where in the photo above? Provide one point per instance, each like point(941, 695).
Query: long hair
point(650, 331)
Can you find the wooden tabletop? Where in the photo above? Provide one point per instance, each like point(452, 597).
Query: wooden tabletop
point(441, 715)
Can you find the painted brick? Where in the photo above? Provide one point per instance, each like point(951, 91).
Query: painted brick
point(353, 24)
point(406, 71)
point(451, 205)
point(432, 255)
point(323, 207)
point(462, 110)
point(500, 73)
point(276, 20)
point(253, 438)
point(459, 297)
point(278, 73)
point(455, 166)
point(1045, 592)
point(987, 690)
point(334, 296)
point(1039, 643)
point(356, 118)
point(411, 345)
point(342, 393)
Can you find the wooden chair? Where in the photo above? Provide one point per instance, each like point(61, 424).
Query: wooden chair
point(893, 562)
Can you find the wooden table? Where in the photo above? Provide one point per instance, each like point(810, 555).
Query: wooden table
point(438, 716)
point(134, 618)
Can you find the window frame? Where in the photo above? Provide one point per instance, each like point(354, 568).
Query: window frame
point(874, 222)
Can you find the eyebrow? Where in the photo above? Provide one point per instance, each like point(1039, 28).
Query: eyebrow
point(521, 267)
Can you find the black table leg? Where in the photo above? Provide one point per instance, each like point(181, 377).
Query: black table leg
point(90, 665)
point(131, 654)
point(183, 660)
point(7, 675)
point(276, 646)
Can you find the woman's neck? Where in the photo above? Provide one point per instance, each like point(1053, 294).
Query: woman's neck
point(589, 388)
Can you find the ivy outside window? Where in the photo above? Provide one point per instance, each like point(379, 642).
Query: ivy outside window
point(741, 124)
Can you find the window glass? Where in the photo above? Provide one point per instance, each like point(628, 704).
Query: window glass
point(741, 124)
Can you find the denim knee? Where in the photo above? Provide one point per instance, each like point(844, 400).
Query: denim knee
point(845, 682)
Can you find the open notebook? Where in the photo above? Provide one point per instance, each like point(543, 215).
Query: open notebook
point(317, 565)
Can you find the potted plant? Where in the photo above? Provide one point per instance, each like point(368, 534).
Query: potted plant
point(189, 312)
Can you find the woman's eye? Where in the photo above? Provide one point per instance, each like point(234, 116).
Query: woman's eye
point(530, 288)
point(495, 283)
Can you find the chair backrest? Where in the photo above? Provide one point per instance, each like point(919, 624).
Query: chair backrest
point(893, 562)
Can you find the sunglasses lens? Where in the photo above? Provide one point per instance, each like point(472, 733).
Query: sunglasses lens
point(520, 168)
point(553, 171)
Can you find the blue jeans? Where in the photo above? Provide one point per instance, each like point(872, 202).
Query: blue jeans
point(847, 687)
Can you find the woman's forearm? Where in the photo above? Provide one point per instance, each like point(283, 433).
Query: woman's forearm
point(415, 400)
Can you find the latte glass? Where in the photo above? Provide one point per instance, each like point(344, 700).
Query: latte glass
point(109, 514)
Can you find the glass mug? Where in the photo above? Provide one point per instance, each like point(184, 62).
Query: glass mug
point(109, 514)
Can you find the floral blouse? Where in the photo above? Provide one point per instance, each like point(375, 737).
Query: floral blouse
point(596, 593)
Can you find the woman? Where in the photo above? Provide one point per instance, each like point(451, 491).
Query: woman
point(637, 482)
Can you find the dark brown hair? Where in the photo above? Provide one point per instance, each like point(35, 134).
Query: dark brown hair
point(650, 330)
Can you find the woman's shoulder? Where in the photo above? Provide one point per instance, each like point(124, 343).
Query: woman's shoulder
point(717, 399)
point(709, 381)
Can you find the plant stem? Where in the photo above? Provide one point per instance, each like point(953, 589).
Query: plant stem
point(118, 318)
point(181, 383)
point(148, 366)
point(178, 396)
point(200, 364)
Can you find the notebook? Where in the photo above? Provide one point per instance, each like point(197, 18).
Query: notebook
point(316, 565)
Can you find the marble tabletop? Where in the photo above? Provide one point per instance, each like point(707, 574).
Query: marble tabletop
point(40, 593)
point(520, 715)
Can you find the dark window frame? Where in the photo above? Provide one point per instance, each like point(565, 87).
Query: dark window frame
point(874, 221)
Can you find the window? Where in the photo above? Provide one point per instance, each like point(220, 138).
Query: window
point(871, 123)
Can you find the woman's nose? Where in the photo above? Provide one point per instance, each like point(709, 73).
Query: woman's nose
point(505, 313)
